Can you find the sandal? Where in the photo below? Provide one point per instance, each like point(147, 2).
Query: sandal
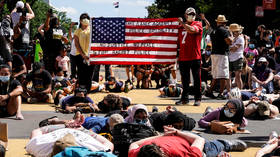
point(46, 122)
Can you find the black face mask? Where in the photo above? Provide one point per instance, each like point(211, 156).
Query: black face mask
point(22, 25)
point(54, 23)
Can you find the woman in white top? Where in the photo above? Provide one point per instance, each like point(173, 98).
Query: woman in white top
point(236, 53)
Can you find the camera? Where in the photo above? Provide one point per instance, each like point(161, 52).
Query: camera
point(76, 23)
point(50, 11)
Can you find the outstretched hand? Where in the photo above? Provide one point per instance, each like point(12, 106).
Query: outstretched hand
point(169, 130)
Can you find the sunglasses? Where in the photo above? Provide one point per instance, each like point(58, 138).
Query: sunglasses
point(232, 110)
point(193, 14)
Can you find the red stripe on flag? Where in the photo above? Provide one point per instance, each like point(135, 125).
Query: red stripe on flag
point(132, 56)
point(127, 63)
point(152, 27)
point(151, 20)
point(132, 48)
point(151, 34)
point(152, 41)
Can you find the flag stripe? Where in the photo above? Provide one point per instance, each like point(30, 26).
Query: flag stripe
point(129, 23)
point(151, 41)
point(129, 62)
point(132, 49)
point(151, 34)
point(140, 45)
point(132, 59)
point(152, 27)
point(166, 53)
point(166, 30)
point(151, 38)
point(150, 20)
point(132, 56)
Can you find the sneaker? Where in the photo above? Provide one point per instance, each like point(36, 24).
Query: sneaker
point(155, 109)
point(272, 135)
point(207, 110)
point(236, 145)
point(182, 102)
point(197, 103)
point(210, 95)
point(50, 99)
point(221, 97)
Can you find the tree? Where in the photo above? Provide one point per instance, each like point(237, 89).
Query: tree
point(236, 11)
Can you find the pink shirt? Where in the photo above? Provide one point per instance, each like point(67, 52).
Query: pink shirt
point(63, 62)
point(252, 55)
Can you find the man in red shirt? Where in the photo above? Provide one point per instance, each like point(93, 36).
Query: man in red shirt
point(190, 36)
point(173, 143)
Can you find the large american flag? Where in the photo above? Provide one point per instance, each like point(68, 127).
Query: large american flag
point(127, 41)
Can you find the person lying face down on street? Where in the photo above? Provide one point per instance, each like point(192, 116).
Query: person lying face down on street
point(138, 114)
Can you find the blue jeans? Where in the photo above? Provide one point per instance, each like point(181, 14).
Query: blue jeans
point(269, 87)
point(213, 148)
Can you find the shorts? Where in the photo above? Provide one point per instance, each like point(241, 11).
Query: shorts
point(220, 66)
point(236, 65)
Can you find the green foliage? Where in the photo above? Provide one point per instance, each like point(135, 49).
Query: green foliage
point(155, 12)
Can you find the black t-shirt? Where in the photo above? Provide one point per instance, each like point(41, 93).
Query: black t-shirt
point(271, 62)
point(6, 88)
point(267, 44)
point(5, 54)
point(40, 81)
point(53, 41)
point(23, 40)
point(218, 36)
point(17, 63)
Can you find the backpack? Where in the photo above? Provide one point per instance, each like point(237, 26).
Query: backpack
point(77, 151)
point(124, 134)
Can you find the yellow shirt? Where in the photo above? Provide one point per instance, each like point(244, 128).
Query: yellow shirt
point(84, 37)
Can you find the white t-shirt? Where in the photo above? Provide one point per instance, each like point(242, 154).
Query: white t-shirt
point(63, 62)
point(42, 146)
point(233, 56)
point(73, 48)
point(15, 18)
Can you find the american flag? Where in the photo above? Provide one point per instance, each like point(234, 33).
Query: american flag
point(131, 41)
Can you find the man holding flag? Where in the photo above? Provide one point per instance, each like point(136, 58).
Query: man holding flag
point(190, 36)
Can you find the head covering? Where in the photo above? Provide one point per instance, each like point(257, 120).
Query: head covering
point(263, 108)
point(131, 113)
point(238, 117)
point(190, 10)
point(66, 141)
point(262, 59)
point(221, 18)
point(20, 4)
point(175, 117)
point(235, 27)
point(115, 119)
point(234, 93)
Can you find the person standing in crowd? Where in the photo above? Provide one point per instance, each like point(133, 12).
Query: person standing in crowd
point(18, 11)
point(236, 54)
point(73, 60)
point(206, 29)
point(10, 91)
point(190, 36)
point(5, 51)
point(54, 38)
point(251, 53)
point(81, 39)
point(221, 39)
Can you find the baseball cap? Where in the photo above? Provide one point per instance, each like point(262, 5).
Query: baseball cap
point(263, 108)
point(20, 4)
point(190, 10)
point(66, 141)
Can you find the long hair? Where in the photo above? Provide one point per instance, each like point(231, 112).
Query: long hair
point(151, 150)
point(238, 117)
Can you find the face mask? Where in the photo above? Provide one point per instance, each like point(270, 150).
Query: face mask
point(190, 18)
point(85, 22)
point(270, 37)
point(228, 114)
point(208, 53)
point(59, 78)
point(4, 78)
point(263, 66)
point(251, 46)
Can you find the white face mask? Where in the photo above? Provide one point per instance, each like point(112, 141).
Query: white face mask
point(228, 114)
point(59, 78)
point(85, 22)
point(190, 18)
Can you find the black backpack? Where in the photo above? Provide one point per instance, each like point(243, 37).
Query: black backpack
point(124, 134)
